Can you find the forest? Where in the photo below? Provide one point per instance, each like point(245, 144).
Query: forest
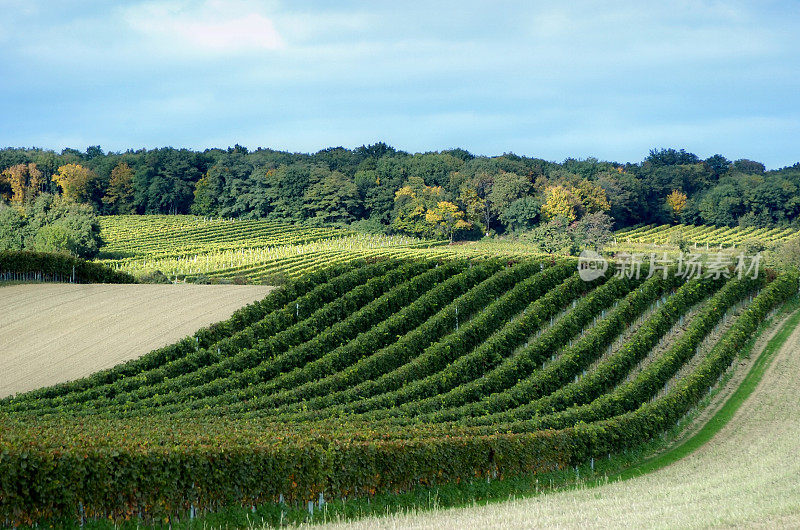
point(450, 193)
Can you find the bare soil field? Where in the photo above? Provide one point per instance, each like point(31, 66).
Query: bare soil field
point(51, 333)
point(748, 475)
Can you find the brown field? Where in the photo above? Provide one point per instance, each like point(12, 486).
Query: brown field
point(748, 475)
point(51, 333)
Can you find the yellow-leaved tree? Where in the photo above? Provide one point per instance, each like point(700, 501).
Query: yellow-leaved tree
point(676, 203)
point(447, 219)
point(560, 201)
point(74, 180)
point(25, 180)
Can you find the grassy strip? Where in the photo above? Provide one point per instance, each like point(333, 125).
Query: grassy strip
point(628, 465)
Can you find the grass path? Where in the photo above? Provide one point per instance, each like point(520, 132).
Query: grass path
point(50, 333)
point(741, 469)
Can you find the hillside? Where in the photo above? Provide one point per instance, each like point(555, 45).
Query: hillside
point(371, 377)
point(52, 333)
point(746, 476)
point(259, 251)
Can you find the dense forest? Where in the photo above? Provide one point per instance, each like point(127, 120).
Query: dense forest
point(449, 193)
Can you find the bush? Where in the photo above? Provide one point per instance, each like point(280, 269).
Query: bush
point(58, 267)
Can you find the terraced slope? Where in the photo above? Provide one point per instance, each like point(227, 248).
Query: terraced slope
point(380, 376)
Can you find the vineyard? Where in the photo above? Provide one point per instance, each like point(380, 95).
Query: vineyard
point(378, 376)
point(704, 235)
point(197, 249)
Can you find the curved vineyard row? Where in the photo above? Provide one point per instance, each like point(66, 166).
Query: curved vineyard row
point(380, 375)
point(703, 234)
point(195, 249)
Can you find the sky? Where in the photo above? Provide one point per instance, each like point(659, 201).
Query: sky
point(553, 80)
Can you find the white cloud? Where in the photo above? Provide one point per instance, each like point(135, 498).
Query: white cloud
point(205, 27)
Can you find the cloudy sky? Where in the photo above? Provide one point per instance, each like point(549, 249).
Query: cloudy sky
point(546, 79)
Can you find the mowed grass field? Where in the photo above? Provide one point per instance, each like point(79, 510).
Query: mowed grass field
point(51, 333)
point(747, 475)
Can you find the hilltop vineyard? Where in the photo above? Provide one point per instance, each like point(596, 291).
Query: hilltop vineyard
point(380, 375)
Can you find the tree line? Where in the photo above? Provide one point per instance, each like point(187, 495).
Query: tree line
point(450, 193)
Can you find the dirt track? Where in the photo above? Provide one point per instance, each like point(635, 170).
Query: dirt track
point(748, 475)
point(50, 333)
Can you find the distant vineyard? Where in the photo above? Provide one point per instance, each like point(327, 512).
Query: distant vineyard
point(703, 235)
point(381, 376)
point(256, 251)
point(165, 235)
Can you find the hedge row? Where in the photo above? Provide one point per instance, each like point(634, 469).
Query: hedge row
point(324, 305)
point(391, 323)
point(467, 360)
point(107, 470)
point(161, 466)
point(494, 375)
point(51, 266)
point(632, 428)
point(327, 292)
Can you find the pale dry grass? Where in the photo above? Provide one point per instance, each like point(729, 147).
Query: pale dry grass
point(50, 333)
point(748, 475)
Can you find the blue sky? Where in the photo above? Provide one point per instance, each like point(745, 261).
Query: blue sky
point(547, 79)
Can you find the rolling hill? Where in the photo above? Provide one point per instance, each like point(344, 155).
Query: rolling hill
point(381, 376)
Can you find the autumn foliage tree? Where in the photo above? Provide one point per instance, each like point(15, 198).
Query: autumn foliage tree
point(24, 180)
point(119, 196)
point(573, 202)
point(74, 181)
point(447, 219)
point(676, 203)
point(411, 203)
point(560, 202)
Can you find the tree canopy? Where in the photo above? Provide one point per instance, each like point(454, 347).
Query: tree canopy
point(385, 187)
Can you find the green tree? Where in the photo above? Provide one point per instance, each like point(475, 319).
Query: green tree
point(78, 230)
point(507, 188)
point(204, 202)
point(12, 228)
point(594, 231)
point(552, 237)
point(56, 238)
point(119, 196)
point(521, 214)
point(334, 199)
